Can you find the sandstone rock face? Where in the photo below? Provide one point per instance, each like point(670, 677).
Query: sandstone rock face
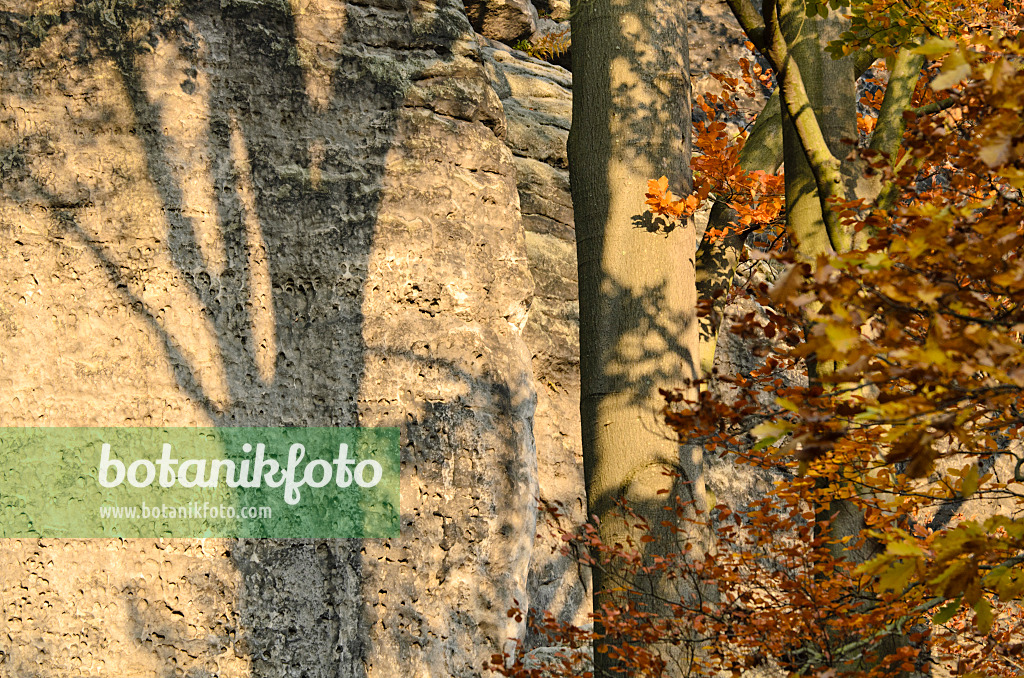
point(554, 9)
point(504, 20)
point(537, 99)
point(253, 212)
point(250, 212)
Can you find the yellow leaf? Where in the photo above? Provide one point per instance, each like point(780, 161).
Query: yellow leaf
point(904, 548)
point(842, 337)
point(1007, 277)
point(876, 260)
point(954, 69)
point(933, 353)
point(927, 294)
point(787, 404)
point(946, 613)
point(996, 153)
point(1009, 583)
point(897, 575)
point(983, 615)
point(970, 482)
point(935, 47)
point(770, 431)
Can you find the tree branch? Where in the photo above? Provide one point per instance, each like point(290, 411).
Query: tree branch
point(935, 106)
point(750, 21)
point(717, 259)
point(898, 94)
point(890, 192)
point(824, 166)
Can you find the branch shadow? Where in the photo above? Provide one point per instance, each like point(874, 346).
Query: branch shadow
point(274, 274)
point(638, 325)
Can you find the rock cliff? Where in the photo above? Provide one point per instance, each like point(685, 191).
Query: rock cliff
point(294, 213)
point(263, 213)
point(537, 100)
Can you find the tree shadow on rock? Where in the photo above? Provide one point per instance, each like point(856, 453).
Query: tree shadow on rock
point(247, 148)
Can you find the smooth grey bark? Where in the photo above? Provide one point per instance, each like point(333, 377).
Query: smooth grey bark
point(631, 123)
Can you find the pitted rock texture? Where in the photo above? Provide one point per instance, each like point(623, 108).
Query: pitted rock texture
point(537, 99)
point(504, 20)
point(258, 213)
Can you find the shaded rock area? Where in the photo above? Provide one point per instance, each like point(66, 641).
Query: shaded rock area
point(557, 10)
point(716, 46)
point(537, 100)
point(504, 20)
point(239, 213)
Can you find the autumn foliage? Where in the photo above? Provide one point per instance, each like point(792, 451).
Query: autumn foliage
point(909, 409)
point(757, 197)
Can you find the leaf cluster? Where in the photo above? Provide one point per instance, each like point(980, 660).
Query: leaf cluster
point(549, 46)
point(757, 198)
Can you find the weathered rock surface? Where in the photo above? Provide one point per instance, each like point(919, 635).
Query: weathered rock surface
point(554, 9)
point(239, 213)
point(537, 99)
point(504, 20)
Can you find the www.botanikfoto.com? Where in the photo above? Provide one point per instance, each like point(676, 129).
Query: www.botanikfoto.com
point(192, 510)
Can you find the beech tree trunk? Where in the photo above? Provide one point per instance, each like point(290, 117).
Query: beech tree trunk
point(631, 123)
